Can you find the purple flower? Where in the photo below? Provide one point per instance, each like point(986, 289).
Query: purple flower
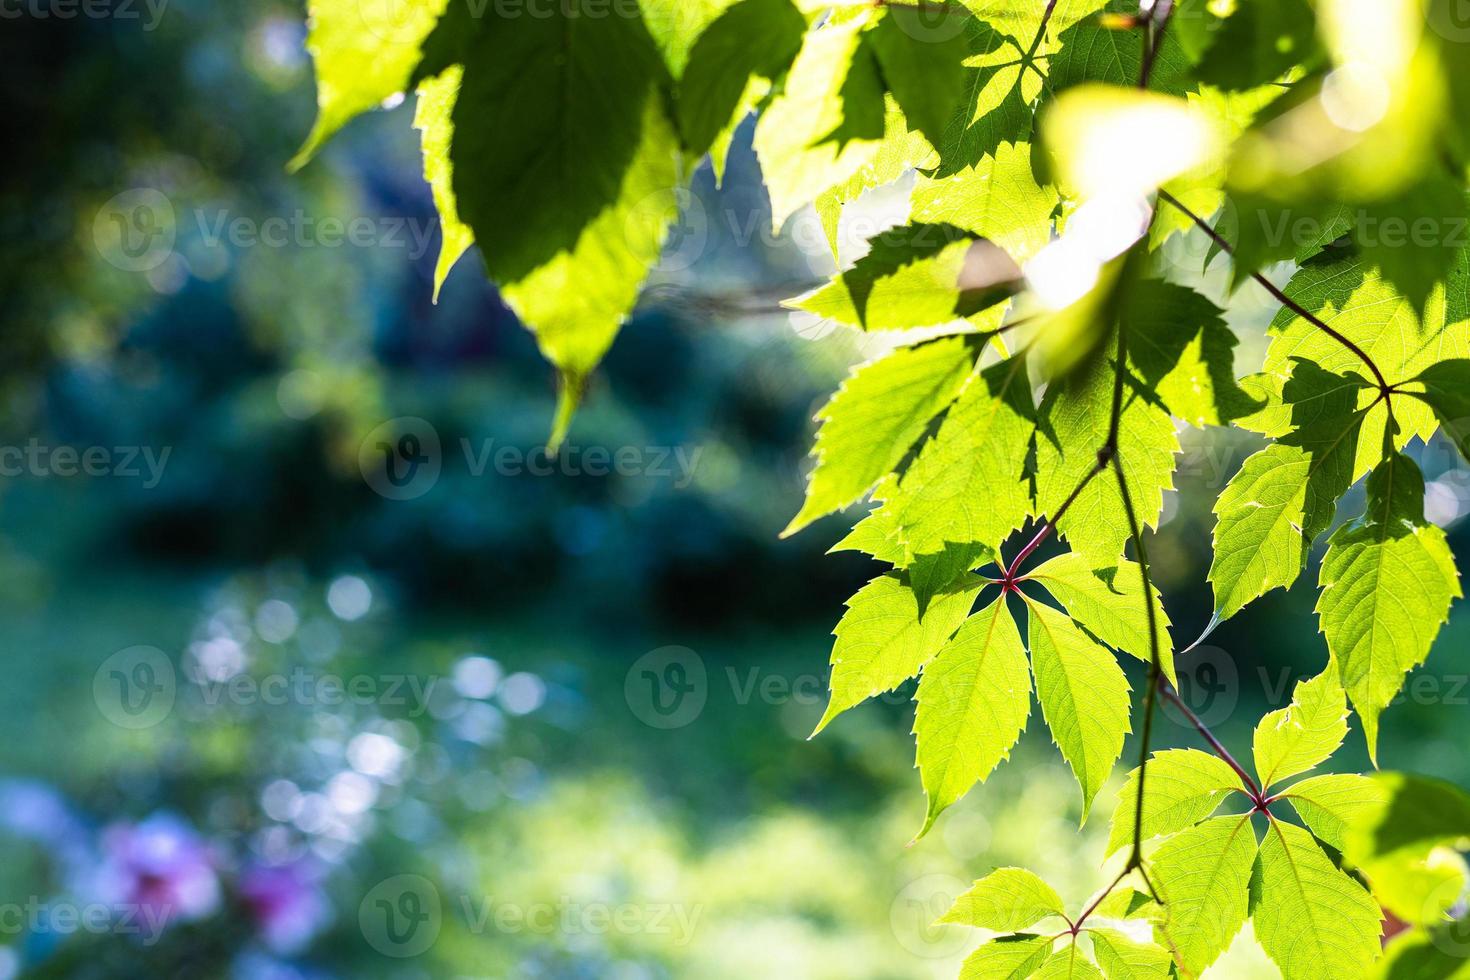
point(161, 866)
point(286, 902)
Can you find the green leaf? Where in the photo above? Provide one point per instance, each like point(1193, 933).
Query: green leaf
point(1404, 843)
point(749, 39)
point(1094, 51)
point(923, 67)
point(1006, 900)
point(433, 117)
point(1074, 425)
point(1391, 235)
point(365, 52)
point(1355, 300)
point(965, 487)
point(1181, 788)
point(998, 199)
point(819, 130)
point(1304, 734)
point(1311, 918)
point(1108, 602)
point(881, 641)
point(1447, 391)
point(1415, 815)
point(873, 420)
point(877, 534)
point(1258, 43)
point(1084, 697)
point(1007, 958)
point(1284, 496)
point(1436, 954)
point(1387, 584)
point(900, 152)
point(676, 27)
point(973, 701)
point(1181, 348)
point(1068, 963)
point(917, 275)
point(566, 169)
point(1203, 876)
point(1124, 958)
point(1329, 804)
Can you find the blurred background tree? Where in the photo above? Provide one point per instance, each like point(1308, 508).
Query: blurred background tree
point(527, 775)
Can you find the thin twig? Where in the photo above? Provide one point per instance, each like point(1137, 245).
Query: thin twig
point(1173, 697)
point(1281, 297)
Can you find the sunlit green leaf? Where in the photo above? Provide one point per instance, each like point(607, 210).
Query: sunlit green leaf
point(1083, 695)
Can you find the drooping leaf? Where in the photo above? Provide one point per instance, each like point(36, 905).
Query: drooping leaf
point(1074, 420)
point(1006, 900)
point(1304, 734)
point(1311, 918)
point(1181, 788)
point(1387, 583)
point(1083, 695)
point(365, 52)
point(1108, 602)
point(570, 207)
point(1203, 876)
point(433, 117)
point(873, 420)
point(922, 66)
point(751, 38)
point(881, 641)
point(973, 701)
point(1007, 958)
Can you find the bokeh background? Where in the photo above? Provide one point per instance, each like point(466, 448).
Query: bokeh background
point(266, 715)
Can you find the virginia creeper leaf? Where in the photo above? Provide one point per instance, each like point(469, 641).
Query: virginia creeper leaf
point(1084, 697)
point(1006, 900)
point(1108, 602)
point(1203, 876)
point(973, 700)
point(1303, 735)
point(1182, 787)
point(875, 417)
point(881, 641)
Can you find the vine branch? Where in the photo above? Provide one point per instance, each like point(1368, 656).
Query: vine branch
point(1384, 387)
